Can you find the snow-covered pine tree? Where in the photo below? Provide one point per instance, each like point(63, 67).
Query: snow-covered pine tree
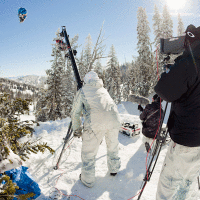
point(41, 109)
point(69, 87)
point(113, 76)
point(144, 61)
point(134, 72)
point(54, 81)
point(12, 129)
point(81, 67)
point(167, 23)
point(99, 70)
point(126, 81)
point(8, 189)
point(157, 26)
point(180, 28)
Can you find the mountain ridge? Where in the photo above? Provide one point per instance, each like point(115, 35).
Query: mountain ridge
point(35, 80)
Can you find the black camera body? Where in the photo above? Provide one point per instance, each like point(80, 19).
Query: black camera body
point(176, 45)
point(173, 45)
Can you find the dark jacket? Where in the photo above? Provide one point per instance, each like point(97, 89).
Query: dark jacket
point(181, 86)
point(150, 127)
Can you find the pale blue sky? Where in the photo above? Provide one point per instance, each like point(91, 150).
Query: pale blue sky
point(25, 48)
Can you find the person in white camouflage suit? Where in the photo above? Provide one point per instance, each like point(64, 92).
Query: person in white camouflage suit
point(101, 119)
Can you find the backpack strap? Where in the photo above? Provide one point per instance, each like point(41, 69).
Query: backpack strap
point(150, 115)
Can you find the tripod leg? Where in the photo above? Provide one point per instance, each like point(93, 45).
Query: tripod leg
point(66, 139)
point(155, 154)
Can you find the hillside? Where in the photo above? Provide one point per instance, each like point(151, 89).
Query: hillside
point(37, 81)
point(17, 89)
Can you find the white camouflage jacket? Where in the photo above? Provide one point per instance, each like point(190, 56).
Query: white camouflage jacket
point(97, 107)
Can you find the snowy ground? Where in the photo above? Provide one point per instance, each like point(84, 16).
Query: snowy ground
point(64, 183)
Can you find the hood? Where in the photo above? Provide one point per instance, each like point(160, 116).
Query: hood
point(92, 79)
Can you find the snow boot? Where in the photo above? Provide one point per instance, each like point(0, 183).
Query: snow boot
point(113, 174)
point(85, 183)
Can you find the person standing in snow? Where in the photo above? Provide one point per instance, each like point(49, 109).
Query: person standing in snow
point(181, 87)
point(101, 119)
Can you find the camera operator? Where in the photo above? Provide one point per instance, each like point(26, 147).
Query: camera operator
point(181, 87)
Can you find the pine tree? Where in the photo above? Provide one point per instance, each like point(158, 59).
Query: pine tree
point(167, 25)
point(134, 73)
point(54, 82)
point(56, 101)
point(41, 106)
point(12, 129)
point(81, 65)
point(144, 61)
point(180, 28)
point(68, 83)
point(126, 81)
point(113, 81)
point(8, 189)
point(99, 70)
point(157, 26)
point(68, 89)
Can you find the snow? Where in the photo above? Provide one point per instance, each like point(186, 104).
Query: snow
point(64, 183)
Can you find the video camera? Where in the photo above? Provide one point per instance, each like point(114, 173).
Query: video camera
point(173, 45)
point(176, 45)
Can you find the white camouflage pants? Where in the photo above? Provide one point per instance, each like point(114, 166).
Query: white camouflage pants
point(90, 146)
point(180, 169)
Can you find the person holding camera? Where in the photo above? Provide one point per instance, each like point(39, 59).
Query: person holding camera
point(101, 118)
point(181, 87)
point(151, 116)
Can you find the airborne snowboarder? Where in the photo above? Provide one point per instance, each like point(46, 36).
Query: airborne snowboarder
point(22, 14)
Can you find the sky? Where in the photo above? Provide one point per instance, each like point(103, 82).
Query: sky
point(25, 48)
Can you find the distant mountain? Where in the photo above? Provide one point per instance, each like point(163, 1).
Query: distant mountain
point(37, 81)
point(16, 89)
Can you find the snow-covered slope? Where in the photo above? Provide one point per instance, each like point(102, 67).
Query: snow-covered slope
point(64, 183)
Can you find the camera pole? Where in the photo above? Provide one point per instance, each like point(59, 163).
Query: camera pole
point(79, 85)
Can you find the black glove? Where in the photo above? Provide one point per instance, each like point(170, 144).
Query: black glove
point(140, 108)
